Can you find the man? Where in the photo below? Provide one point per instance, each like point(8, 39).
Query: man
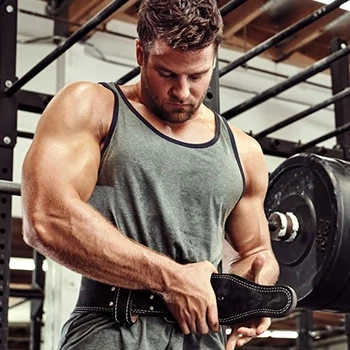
point(134, 187)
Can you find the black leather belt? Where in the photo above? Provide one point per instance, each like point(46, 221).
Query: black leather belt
point(237, 299)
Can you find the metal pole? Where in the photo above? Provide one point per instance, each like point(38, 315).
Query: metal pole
point(212, 98)
point(336, 132)
point(8, 130)
point(305, 323)
point(294, 28)
point(128, 76)
point(75, 24)
point(341, 80)
point(285, 85)
point(25, 135)
point(231, 6)
point(9, 187)
point(347, 329)
point(38, 283)
point(65, 45)
point(338, 97)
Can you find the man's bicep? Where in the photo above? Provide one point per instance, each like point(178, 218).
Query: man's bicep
point(55, 164)
point(246, 227)
point(64, 155)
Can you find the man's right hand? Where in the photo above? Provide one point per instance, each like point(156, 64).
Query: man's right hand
point(191, 299)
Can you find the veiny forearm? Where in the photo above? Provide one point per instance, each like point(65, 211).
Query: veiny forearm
point(75, 235)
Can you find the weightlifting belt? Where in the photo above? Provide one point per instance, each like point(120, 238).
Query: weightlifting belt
point(237, 299)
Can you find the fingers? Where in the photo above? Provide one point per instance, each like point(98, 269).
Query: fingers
point(184, 327)
point(232, 340)
point(202, 326)
point(255, 330)
point(199, 323)
point(237, 340)
point(242, 335)
point(213, 318)
point(192, 301)
point(258, 264)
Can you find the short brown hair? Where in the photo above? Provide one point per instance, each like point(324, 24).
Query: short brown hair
point(189, 25)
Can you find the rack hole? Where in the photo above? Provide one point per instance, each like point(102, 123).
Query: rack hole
point(210, 95)
point(4, 170)
point(3, 216)
point(2, 231)
point(3, 200)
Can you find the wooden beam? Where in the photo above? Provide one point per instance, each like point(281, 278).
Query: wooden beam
point(81, 11)
point(79, 8)
point(239, 43)
point(244, 15)
point(310, 34)
point(127, 13)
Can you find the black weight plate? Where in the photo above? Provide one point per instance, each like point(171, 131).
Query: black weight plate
point(341, 301)
point(306, 186)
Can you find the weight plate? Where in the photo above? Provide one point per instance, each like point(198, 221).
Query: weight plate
point(307, 185)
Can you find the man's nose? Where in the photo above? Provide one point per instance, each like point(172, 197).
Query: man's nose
point(181, 89)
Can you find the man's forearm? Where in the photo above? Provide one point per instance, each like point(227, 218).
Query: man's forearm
point(80, 238)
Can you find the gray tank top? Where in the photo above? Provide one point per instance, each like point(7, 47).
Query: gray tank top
point(171, 196)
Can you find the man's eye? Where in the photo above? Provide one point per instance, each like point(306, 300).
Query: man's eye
point(195, 77)
point(167, 76)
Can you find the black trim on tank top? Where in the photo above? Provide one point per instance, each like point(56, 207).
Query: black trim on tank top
point(110, 132)
point(235, 151)
point(181, 143)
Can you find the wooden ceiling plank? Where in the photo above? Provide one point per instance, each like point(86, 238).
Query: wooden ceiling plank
point(244, 15)
point(83, 11)
point(240, 44)
point(128, 14)
point(309, 34)
point(78, 9)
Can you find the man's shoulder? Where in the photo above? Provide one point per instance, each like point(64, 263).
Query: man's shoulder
point(84, 91)
point(245, 142)
point(251, 156)
point(82, 105)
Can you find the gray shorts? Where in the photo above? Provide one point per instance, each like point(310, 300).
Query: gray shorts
point(94, 331)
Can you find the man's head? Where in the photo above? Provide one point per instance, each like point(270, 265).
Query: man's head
point(188, 25)
point(177, 46)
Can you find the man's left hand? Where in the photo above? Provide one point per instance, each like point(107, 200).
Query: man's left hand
point(242, 333)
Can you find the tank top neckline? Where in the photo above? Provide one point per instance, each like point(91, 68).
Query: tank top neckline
point(166, 137)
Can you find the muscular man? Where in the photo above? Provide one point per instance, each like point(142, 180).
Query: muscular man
point(135, 186)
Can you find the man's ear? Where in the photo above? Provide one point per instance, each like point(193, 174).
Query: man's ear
point(140, 53)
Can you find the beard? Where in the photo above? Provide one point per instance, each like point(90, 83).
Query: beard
point(166, 113)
